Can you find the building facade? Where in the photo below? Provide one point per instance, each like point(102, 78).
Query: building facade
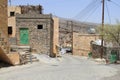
point(12, 11)
point(35, 30)
point(5, 54)
point(30, 27)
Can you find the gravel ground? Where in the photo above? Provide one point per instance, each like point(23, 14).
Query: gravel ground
point(66, 68)
point(114, 77)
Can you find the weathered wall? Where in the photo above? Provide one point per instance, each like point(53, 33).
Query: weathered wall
point(55, 34)
point(4, 46)
point(81, 43)
point(3, 16)
point(3, 26)
point(31, 9)
point(11, 58)
point(11, 19)
point(14, 58)
point(40, 39)
point(65, 30)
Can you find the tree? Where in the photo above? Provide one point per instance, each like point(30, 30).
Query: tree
point(111, 33)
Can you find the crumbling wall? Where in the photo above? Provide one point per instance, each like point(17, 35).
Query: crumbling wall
point(68, 26)
point(31, 9)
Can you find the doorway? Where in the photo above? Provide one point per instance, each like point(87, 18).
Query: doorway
point(24, 36)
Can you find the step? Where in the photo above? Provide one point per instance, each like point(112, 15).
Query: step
point(28, 61)
point(20, 48)
point(33, 60)
point(29, 56)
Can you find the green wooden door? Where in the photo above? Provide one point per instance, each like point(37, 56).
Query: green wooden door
point(24, 36)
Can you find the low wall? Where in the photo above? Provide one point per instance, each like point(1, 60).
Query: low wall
point(11, 58)
point(81, 43)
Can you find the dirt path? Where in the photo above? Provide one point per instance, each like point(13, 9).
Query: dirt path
point(67, 68)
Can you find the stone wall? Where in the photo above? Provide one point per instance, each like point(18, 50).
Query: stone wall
point(4, 26)
point(23, 9)
point(65, 30)
point(81, 43)
point(3, 16)
point(31, 8)
point(40, 39)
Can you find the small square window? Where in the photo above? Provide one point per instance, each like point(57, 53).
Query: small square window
point(40, 27)
point(12, 13)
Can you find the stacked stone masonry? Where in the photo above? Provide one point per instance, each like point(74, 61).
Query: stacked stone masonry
point(81, 43)
point(39, 39)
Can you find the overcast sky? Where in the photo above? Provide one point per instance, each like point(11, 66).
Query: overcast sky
point(73, 8)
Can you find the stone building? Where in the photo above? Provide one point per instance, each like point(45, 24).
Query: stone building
point(13, 10)
point(39, 29)
point(35, 30)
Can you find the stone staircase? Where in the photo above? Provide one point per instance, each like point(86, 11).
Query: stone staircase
point(25, 54)
point(27, 57)
point(14, 54)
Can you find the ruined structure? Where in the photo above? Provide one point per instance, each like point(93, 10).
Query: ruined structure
point(31, 9)
point(67, 26)
point(77, 35)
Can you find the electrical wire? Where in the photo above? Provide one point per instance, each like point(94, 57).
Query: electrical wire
point(115, 3)
point(87, 10)
point(92, 12)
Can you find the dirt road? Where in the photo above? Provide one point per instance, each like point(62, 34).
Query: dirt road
point(66, 68)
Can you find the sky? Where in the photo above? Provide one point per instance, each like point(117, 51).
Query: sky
point(76, 9)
